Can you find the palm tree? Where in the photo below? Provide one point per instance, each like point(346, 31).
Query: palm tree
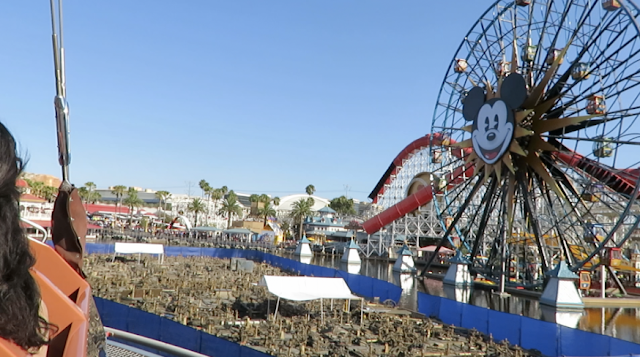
point(118, 191)
point(264, 198)
point(266, 211)
point(196, 206)
point(300, 210)
point(276, 201)
point(224, 190)
point(132, 201)
point(84, 193)
point(162, 198)
point(90, 186)
point(49, 193)
point(254, 199)
point(216, 195)
point(230, 207)
point(91, 196)
point(203, 186)
point(310, 190)
point(286, 227)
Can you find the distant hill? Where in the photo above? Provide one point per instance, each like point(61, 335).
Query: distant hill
point(48, 180)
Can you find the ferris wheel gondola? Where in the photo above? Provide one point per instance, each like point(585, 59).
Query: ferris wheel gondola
point(549, 162)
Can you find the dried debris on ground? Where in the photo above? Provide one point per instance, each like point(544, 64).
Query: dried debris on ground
point(222, 297)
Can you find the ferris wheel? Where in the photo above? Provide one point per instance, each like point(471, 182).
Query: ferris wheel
point(539, 135)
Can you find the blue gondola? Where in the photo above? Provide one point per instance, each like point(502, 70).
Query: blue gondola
point(603, 147)
point(581, 71)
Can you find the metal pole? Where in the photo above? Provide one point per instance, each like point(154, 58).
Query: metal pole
point(275, 314)
point(603, 280)
point(60, 102)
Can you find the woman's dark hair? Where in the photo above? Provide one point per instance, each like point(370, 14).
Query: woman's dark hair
point(20, 321)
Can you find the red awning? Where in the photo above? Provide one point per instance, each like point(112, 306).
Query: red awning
point(92, 208)
point(26, 197)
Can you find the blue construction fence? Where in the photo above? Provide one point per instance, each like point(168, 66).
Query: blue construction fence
point(549, 338)
point(125, 318)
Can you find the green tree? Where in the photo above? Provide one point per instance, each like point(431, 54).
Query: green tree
point(276, 201)
point(230, 207)
point(196, 206)
point(162, 198)
point(255, 200)
point(204, 185)
point(118, 191)
point(343, 205)
point(310, 190)
point(90, 186)
point(300, 210)
point(84, 193)
point(216, 195)
point(224, 190)
point(49, 193)
point(132, 201)
point(286, 229)
point(266, 211)
point(264, 198)
point(36, 188)
point(91, 196)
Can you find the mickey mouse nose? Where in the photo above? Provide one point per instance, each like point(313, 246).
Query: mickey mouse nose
point(491, 136)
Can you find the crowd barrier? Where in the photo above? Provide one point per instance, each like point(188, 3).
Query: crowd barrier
point(125, 318)
point(549, 338)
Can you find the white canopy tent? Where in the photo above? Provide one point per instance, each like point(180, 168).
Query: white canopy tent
point(306, 288)
point(139, 248)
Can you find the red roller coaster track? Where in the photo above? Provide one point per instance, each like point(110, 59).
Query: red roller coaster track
point(621, 181)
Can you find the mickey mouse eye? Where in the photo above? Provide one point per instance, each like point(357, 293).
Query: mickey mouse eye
point(496, 122)
point(487, 124)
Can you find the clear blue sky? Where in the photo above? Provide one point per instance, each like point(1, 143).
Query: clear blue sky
point(260, 96)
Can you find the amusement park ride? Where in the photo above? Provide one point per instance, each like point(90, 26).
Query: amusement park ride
point(533, 159)
point(533, 153)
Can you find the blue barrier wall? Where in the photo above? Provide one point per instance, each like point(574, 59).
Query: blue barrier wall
point(549, 338)
point(146, 324)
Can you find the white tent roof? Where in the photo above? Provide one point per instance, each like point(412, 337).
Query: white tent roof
point(303, 288)
point(144, 248)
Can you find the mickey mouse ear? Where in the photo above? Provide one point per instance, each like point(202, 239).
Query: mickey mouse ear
point(514, 90)
point(472, 103)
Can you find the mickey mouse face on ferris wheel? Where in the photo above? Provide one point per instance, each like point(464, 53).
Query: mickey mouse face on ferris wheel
point(493, 120)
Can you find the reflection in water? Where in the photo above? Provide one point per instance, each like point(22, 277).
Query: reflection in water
point(352, 268)
point(407, 281)
point(562, 317)
point(457, 293)
point(622, 323)
point(305, 260)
